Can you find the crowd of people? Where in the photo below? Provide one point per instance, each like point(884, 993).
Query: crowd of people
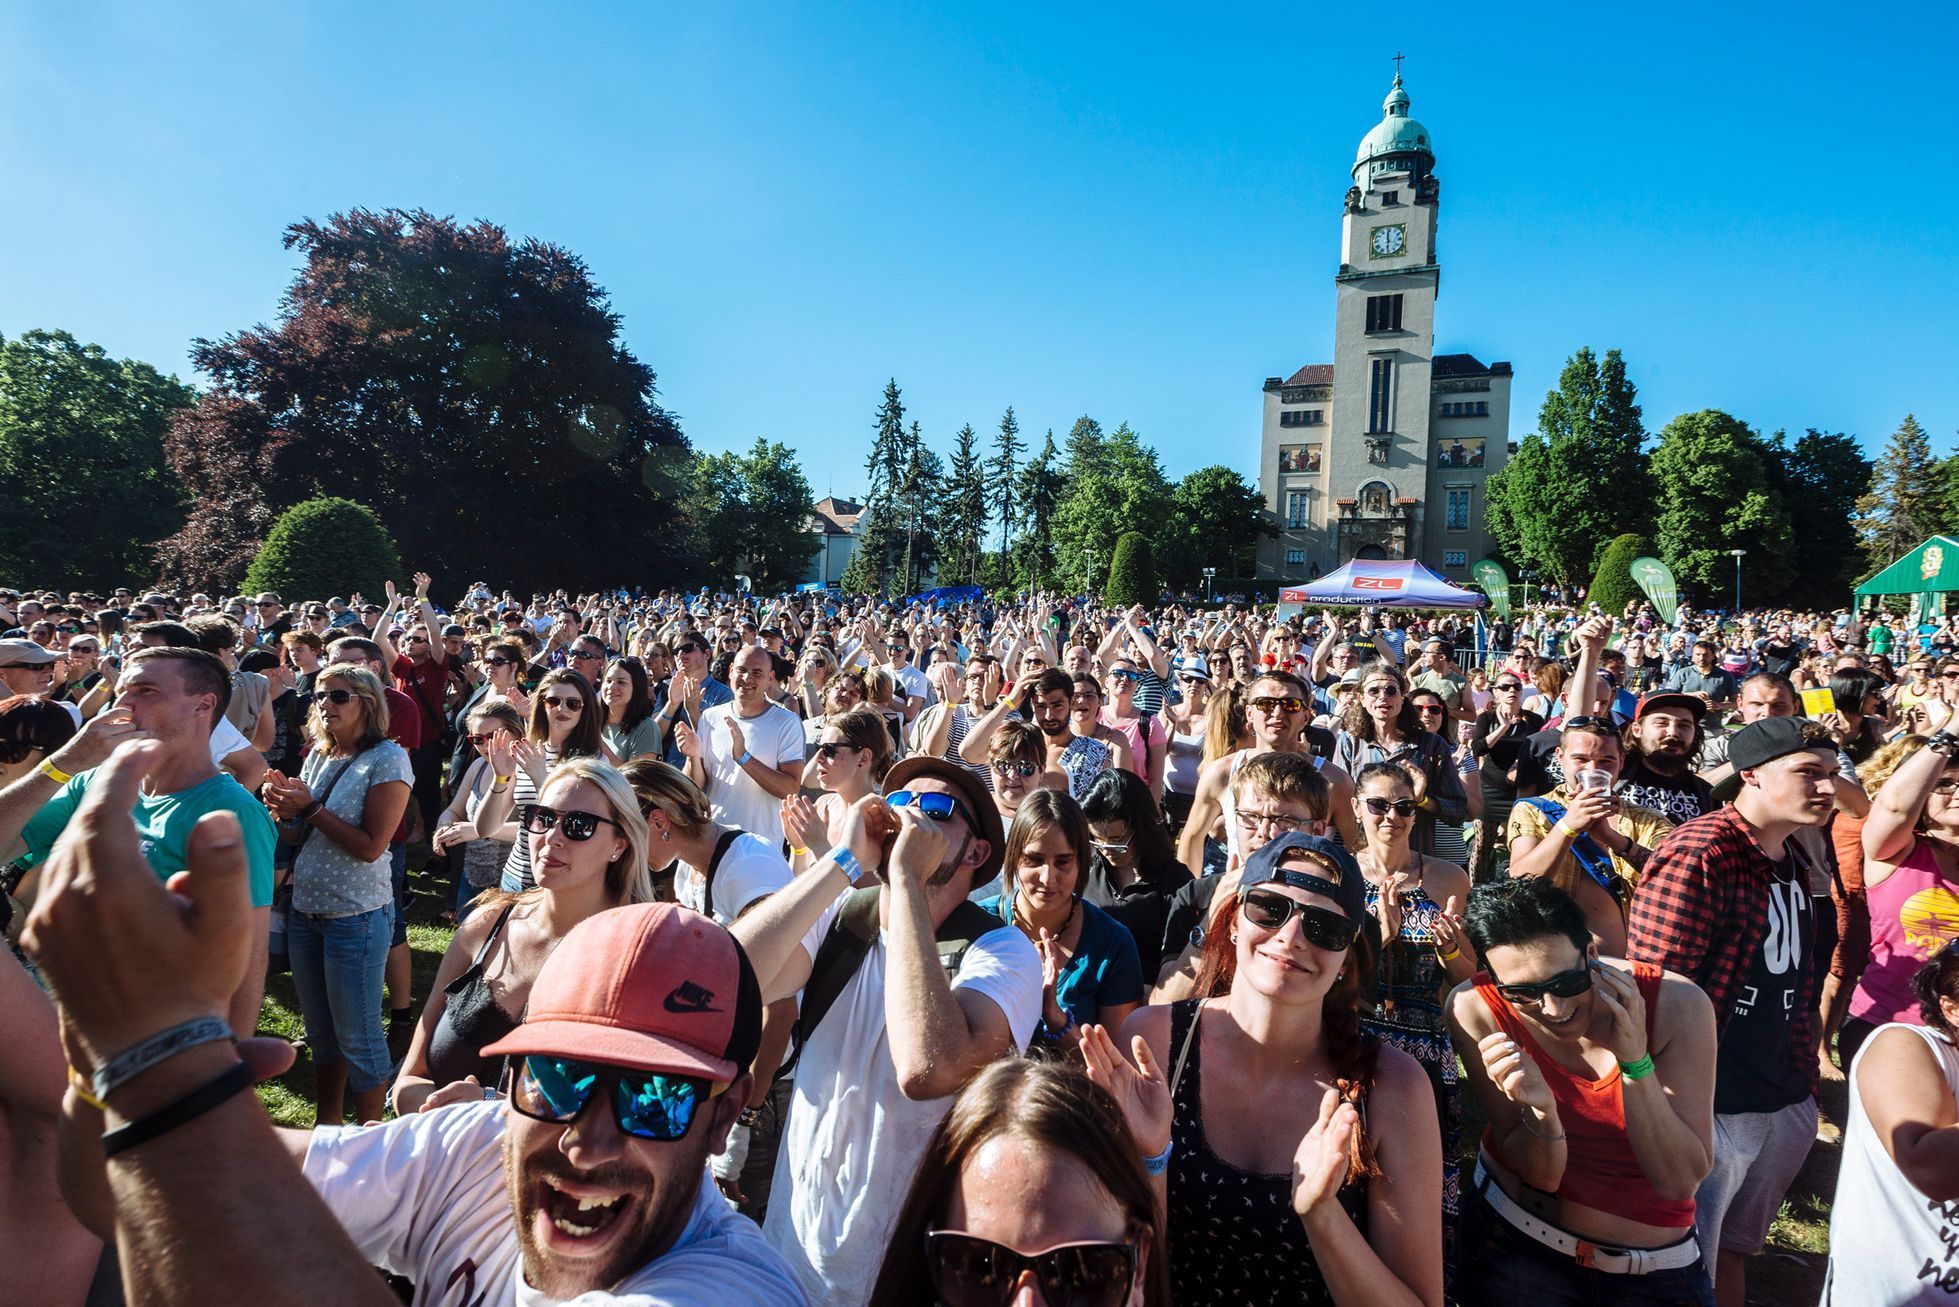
point(1015, 951)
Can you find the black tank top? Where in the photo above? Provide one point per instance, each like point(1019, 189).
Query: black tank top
point(1234, 1238)
point(471, 1021)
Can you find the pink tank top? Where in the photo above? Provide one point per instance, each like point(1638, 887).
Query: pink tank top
point(1913, 913)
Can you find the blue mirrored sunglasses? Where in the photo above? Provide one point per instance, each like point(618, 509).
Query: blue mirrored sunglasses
point(653, 1105)
point(930, 803)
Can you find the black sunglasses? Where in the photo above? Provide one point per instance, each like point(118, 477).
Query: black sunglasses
point(577, 826)
point(1566, 984)
point(656, 1105)
point(830, 748)
point(499, 662)
point(967, 1271)
point(688, 648)
point(332, 696)
point(1321, 927)
point(1381, 807)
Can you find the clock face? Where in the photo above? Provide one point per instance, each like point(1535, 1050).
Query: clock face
point(1388, 241)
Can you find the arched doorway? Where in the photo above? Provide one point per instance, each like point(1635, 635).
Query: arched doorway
point(1371, 553)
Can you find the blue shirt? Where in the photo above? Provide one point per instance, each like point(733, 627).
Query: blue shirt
point(1105, 970)
point(713, 694)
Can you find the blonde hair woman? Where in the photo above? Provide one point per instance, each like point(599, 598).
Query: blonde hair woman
point(342, 811)
point(588, 852)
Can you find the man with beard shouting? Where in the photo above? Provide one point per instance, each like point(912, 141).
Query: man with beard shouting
point(1047, 698)
point(587, 1183)
point(1661, 743)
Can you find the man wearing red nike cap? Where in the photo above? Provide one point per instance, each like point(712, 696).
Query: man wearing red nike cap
point(627, 1073)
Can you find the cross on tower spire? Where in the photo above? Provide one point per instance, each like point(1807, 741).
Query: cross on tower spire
point(1398, 57)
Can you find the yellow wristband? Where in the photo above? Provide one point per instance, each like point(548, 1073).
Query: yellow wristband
point(54, 773)
point(798, 852)
point(1449, 956)
point(84, 1090)
point(1568, 832)
point(500, 780)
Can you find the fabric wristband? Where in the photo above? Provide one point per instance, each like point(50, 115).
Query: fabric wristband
point(132, 1062)
point(1637, 1070)
point(188, 1108)
point(1161, 1162)
point(742, 761)
point(846, 862)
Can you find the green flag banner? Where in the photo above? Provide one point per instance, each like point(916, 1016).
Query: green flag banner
point(1657, 582)
point(1496, 584)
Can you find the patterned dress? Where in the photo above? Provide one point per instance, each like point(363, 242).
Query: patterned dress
point(1234, 1238)
point(1408, 1015)
point(1083, 760)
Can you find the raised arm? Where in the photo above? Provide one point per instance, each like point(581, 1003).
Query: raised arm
point(1891, 829)
point(772, 931)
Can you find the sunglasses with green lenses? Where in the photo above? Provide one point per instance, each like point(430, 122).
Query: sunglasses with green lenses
point(654, 1105)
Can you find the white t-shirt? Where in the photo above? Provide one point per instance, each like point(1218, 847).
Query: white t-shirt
point(775, 737)
point(853, 1140)
point(752, 868)
point(914, 683)
point(424, 1197)
point(226, 740)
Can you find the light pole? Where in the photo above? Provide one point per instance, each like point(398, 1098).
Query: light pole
point(1210, 574)
point(1737, 553)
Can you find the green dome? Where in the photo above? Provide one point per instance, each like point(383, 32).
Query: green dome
point(1396, 133)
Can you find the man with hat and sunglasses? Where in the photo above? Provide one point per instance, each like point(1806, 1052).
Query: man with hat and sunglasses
point(625, 1075)
point(908, 990)
point(1725, 901)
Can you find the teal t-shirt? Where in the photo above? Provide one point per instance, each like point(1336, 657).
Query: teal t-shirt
point(163, 821)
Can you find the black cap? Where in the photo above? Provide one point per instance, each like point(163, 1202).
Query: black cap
point(1266, 867)
point(1776, 737)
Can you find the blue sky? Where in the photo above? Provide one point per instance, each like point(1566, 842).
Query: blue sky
point(1126, 211)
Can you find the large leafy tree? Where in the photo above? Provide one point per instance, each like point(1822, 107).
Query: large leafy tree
point(749, 514)
point(1113, 484)
point(472, 391)
point(1905, 501)
point(1217, 520)
point(1715, 496)
point(963, 510)
point(1579, 480)
point(1820, 477)
point(81, 456)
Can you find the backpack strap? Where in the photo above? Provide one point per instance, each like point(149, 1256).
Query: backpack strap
point(721, 847)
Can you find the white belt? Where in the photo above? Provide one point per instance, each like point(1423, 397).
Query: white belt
point(1612, 1261)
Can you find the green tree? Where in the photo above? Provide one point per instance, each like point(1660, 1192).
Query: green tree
point(1217, 519)
point(471, 389)
point(1579, 480)
point(1039, 496)
point(963, 515)
point(322, 547)
point(881, 529)
point(749, 514)
point(1819, 478)
point(1715, 496)
point(1115, 485)
point(1132, 572)
point(1906, 500)
point(1612, 585)
point(1002, 479)
point(81, 455)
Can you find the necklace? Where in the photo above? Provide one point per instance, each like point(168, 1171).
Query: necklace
point(1018, 918)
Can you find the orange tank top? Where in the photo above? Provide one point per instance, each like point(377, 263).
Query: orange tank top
point(1601, 1170)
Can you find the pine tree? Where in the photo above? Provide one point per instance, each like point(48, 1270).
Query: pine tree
point(881, 526)
point(1906, 500)
point(919, 495)
point(1039, 495)
point(1001, 481)
point(962, 522)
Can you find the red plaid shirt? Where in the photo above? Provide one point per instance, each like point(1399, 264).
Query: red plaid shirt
point(1701, 909)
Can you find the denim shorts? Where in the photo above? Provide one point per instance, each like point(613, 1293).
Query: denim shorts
point(337, 966)
point(1501, 1266)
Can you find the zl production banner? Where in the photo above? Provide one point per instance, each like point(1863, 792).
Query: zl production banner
point(1657, 582)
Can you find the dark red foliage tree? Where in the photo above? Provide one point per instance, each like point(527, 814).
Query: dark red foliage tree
point(474, 393)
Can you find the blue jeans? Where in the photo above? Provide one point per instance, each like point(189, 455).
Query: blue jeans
point(337, 963)
point(1500, 1265)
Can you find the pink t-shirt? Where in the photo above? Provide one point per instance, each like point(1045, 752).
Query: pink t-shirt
point(1913, 913)
point(1132, 735)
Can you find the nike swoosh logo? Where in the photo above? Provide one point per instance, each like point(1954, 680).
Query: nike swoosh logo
point(679, 1005)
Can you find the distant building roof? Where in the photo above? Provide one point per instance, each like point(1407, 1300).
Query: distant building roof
point(1313, 374)
point(837, 517)
point(1466, 365)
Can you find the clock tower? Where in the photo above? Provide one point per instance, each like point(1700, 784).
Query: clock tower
point(1384, 453)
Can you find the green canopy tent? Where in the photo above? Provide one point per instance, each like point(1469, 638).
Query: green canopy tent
point(1932, 568)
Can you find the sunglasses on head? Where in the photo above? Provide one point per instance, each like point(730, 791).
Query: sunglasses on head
point(577, 826)
point(1287, 703)
point(1566, 984)
point(931, 803)
point(1321, 927)
point(1381, 807)
point(656, 1105)
point(332, 696)
point(967, 1271)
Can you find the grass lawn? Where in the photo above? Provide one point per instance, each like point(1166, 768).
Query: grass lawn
point(289, 1099)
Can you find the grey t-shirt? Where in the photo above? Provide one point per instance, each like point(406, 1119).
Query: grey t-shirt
point(327, 880)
